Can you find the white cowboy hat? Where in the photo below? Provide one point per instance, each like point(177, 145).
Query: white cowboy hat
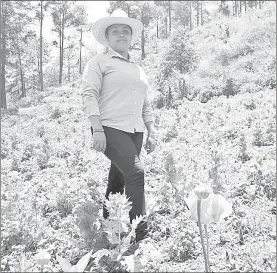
point(117, 17)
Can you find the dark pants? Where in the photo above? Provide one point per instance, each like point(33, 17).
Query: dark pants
point(127, 171)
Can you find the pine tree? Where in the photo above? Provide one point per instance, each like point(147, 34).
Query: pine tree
point(63, 17)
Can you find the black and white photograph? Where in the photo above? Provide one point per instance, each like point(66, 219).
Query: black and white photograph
point(138, 136)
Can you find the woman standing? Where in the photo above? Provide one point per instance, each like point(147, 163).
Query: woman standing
point(115, 100)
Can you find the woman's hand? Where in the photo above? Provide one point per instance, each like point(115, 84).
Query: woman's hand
point(99, 141)
point(151, 141)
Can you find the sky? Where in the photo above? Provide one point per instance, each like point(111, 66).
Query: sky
point(95, 10)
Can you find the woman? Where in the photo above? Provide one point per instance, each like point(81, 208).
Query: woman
point(115, 100)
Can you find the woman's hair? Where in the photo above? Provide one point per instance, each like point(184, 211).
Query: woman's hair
point(107, 29)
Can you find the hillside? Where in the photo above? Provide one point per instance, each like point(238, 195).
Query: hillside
point(52, 178)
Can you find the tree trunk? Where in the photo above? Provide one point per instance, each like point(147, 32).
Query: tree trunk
point(260, 4)
point(169, 15)
point(61, 47)
point(201, 14)
point(60, 68)
point(142, 45)
point(69, 68)
point(80, 55)
point(157, 28)
point(23, 93)
point(165, 27)
point(40, 47)
point(245, 6)
point(197, 12)
point(190, 17)
point(3, 59)
point(240, 7)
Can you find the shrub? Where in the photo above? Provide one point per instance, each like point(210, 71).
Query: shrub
point(263, 138)
point(182, 247)
point(56, 114)
point(12, 111)
point(250, 104)
point(243, 155)
point(86, 216)
point(181, 56)
point(41, 131)
point(64, 204)
point(25, 102)
point(229, 89)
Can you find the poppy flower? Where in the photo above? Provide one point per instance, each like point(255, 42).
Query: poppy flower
point(214, 207)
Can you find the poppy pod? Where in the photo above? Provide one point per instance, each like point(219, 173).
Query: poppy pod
point(202, 191)
point(213, 209)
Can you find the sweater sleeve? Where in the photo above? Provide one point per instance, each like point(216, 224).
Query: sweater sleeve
point(91, 87)
point(147, 111)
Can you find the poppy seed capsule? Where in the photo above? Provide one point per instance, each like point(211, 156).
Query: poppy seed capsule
point(202, 191)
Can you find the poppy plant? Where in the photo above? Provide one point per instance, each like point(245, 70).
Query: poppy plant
point(207, 208)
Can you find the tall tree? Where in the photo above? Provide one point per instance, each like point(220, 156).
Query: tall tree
point(190, 15)
point(123, 5)
point(80, 22)
point(3, 19)
point(224, 7)
point(197, 12)
point(143, 11)
point(167, 5)
point(63, 15)
point(40, 46)
point(14, 21)
point(158, 15)
point(201, 13)
point(181, 13)
point(42, 7)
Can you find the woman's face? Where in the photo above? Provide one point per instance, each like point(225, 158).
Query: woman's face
point(119, 37)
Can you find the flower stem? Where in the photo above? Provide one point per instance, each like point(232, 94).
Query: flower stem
point(207, 242)
point(119, 239)
point(201, 233)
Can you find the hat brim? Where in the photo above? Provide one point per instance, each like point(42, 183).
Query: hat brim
point(101, 25)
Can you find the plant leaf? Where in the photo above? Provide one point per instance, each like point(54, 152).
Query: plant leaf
point(83, 262)
point(133, 264)
point(99, 254)
point(64, 263)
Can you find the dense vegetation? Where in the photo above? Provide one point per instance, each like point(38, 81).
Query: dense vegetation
point(215, 109)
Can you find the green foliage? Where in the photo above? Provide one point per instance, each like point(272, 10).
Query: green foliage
point(56, 114)
point(64, 204)
point(183, 247)
point(229, 89)
point(119, 231)
point(263, 138)
point(87, 220)
point(243, 155)
point(250, 105)
point(181, 55)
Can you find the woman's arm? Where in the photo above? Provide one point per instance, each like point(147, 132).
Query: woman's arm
point(147, 110)
point(90, 92)
point(95, 122)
